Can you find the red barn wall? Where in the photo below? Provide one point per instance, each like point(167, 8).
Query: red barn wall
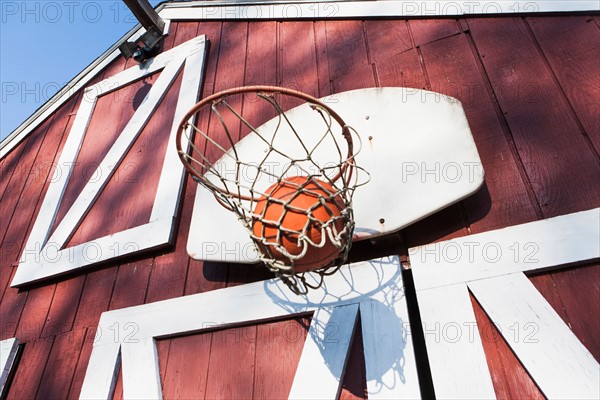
point(530, 93)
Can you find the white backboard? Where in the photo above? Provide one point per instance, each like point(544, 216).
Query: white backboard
point(416, 146)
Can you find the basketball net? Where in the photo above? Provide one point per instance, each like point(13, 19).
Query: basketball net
point(294, 200)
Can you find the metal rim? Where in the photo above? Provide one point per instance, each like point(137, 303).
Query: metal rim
point(217, 97)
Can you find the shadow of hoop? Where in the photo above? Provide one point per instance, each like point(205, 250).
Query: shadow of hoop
point(375, 290)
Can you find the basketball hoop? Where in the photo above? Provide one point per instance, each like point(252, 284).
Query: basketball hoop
point(293, 199)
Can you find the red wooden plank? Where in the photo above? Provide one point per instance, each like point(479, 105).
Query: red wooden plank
point(571, 45)
point(34, 312)
point(229, 74)
point(232, 55)
point(60, 367)
point(547, 287)
point(12, 236)
point(186, 372)
point(10, 166)
point(554, 152)
point(394, 69)
point(121, 63)
point(354, 384)
point(13, 201)
point(83, 359)
point(402, 69)
point(504, 200)
point(349, 64)
point(16, 210)
point(260, 69)
point(510, 379)
point(361, 77)
point(95, 297)
point(163, 348)
point(30, 369)
point(64, 306)
point(241, 274)
point(429, 30)
point(231, 364)
point(131, 284)
point(205, 276)
point(347, 52)
point(443, 225)
point(386, 38)
point(579, 292)
point(11, 307)
point(324, 82)
point(298, 63)
point(278, 349)
point(167, 279)
point(212, 30)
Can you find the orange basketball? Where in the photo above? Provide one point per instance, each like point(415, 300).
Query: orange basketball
point(294, 217)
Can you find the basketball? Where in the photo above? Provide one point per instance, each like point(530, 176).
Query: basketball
point(317, 196)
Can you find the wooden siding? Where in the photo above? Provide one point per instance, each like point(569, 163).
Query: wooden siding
point(529, 89)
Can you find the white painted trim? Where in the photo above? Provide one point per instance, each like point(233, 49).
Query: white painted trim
point(552, 242)
point(50, 262)
point(8, 353)
point(374, 281)
point(561, 366)
point(103, 369)
point(140, 360)
point(359, 9)
point(387, 342)
point(42, 257)
point(457, 360)
point(325, 354)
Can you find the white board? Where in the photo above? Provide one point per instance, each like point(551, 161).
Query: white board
point(416, 146)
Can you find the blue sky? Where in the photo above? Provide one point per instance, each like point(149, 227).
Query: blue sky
point(44, 44)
